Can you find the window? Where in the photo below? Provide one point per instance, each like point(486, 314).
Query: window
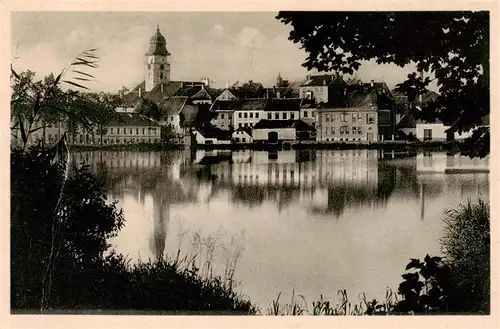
point(239, 115)
point(124, 131)
point(240, 125)
point(245, 115)
point(137, 131)
point(292, 116)
point(246, 124)
point(327, 118)
point(305, 114)
point(326, 131)
point(370, 118)
point(333, 130)
point(343, 117)
point(111, 130)
point(251, 115)
point(276, 116)
point(354, 131)
point(257, 115)
point(333, 117)
point(284, 115)
point(130, 131)
point(118, 131)
point(222, 116)
point(269, 116)
point(354, 117)
point(244, 140)
point(143, 131)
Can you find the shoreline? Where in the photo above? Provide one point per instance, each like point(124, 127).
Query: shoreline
point(454, 147)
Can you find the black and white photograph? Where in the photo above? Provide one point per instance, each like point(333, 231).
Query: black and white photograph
point(271, 163)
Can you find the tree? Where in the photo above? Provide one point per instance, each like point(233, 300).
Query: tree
point(149, 108)
point(453, 47)
point(35, 102)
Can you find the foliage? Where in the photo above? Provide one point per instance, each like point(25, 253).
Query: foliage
point(466, 247)
point(76, 230)
point(44, 101)
point(149, 108)
point(427, 288)
point(451, 46)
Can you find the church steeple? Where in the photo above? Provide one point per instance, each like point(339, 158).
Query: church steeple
point(157, 68)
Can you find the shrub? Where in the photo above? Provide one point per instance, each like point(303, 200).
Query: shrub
point(466, 247)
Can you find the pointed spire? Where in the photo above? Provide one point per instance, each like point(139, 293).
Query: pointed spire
point(157, 26)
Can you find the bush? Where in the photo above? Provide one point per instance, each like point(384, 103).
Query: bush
point(466, 247)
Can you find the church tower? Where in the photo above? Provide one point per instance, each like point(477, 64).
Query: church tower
point(157, 68)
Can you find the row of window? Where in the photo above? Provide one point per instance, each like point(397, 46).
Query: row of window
point(355, 117)
point(343, 140)
point(246, 115)
point(149, 131)
point(284, 116)
point(344, 130)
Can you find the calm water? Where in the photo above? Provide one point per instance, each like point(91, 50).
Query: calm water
point(312, 221)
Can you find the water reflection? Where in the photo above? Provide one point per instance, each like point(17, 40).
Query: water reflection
point(291, 205)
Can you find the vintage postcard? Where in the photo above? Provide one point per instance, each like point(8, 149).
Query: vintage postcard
point(332, 165)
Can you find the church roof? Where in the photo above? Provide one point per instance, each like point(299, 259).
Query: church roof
point(158, 45)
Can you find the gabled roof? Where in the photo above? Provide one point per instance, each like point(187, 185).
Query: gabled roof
point(307, 104)
point(250, 104)
point(283, 104)
point(281, 124)
point(172, 105)
point(322, 80)
point(163, 90)
point(131, 119)
point(223, 105)
point(202, 94)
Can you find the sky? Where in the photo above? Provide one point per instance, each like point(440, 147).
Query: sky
point(225, 47)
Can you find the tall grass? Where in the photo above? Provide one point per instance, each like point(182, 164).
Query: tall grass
point(180, 281)
point(344, 306)
point(466, 247)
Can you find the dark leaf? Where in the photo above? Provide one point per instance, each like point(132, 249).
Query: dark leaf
point(75, 84)
point(414, 263)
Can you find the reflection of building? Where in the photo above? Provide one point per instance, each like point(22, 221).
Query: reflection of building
point(441, 162)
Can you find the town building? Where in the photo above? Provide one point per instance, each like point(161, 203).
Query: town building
point(247, 112)
point(326, 88)
point(352, 124)
point(242, 136)
point(210, 135)
point(283, 109)
point(124, 128)
point(223, 114)
point(275, 131)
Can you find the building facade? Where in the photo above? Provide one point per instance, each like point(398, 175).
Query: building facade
point(347, 125)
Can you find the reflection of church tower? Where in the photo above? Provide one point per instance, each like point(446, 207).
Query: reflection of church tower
point(157, 68)
point(161, 217)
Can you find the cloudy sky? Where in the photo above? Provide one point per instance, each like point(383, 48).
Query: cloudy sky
point(223, 46)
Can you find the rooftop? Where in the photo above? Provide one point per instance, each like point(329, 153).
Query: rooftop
point(282, 124)
point(131, 119)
